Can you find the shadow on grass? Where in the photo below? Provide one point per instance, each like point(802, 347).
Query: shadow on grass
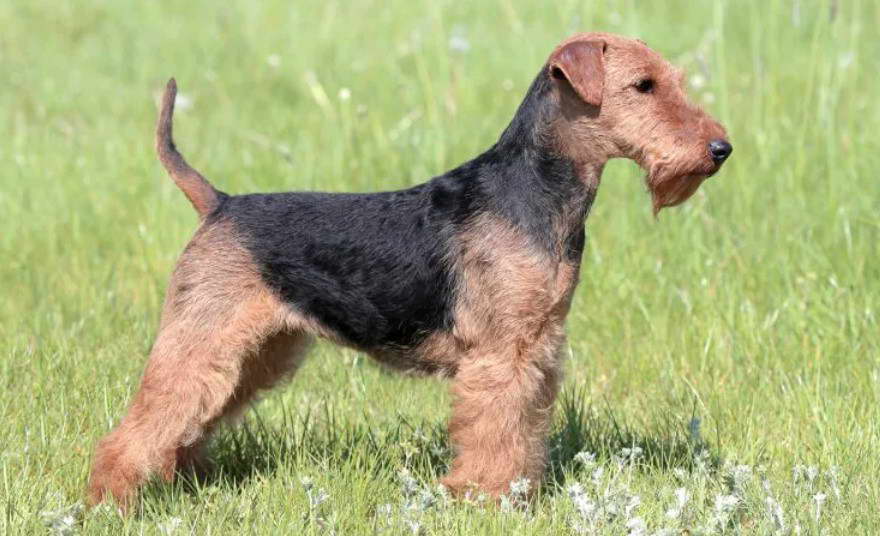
point(259, 448)
point(666, 444)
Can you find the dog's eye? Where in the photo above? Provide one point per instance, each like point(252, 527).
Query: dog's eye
point(645, 85)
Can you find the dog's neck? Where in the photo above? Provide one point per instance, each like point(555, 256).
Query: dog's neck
point(552, 121)
point(531, 179)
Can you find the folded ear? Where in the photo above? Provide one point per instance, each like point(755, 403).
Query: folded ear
point(582, 64)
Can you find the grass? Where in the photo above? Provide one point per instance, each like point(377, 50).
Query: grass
point(739, 330)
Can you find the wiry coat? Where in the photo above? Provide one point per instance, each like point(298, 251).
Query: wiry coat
point(469, 275)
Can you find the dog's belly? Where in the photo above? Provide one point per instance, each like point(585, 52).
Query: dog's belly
point(420, 360)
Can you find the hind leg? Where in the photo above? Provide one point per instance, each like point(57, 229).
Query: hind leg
point(193, 374)
point(277, 359)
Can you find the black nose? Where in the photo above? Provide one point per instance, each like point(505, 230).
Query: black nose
point(720, 150)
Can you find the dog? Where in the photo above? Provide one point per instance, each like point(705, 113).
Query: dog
point(468, 276)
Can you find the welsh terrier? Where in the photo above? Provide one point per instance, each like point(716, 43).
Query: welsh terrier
point(468, 276)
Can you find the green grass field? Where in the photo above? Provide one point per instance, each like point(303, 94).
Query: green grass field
point(734, 341)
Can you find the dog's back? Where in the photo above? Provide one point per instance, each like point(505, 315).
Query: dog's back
point(370, 267)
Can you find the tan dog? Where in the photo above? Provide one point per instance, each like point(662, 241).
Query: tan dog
point(468, 276)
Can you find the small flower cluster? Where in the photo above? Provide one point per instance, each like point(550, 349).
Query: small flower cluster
point(606, 500)
point(64, 521)
point(518, 497)
point(317, 498)
point(418, 499)
point(732, 499)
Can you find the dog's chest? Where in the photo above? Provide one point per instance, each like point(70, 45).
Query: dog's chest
point(505, 284)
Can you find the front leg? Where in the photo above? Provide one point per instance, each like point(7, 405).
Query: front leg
point(503, 403)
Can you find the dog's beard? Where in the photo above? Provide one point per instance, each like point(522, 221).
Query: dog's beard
point(674, 181)
point(670, 190)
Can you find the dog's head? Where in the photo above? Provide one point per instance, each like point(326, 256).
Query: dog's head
point(619, 98)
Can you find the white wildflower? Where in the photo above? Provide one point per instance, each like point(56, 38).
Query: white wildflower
point(701, 460)
point(724, 507)
point(725, 503)
point(597, 476)
point(409, 486)
point(519, 488)
point(631, 454)
point(385, 510)
point(274, 60)
point(587, 459)
point(575, 490)
point(637, 527)
point(458, 42)
point(632, 503)
point(170, 526)
point(442, 494)
point(426, 500)
point(317, 498)
point(832, 475)
point(585, 507)
point(798, 473)
point(414, 525)
point(611, 504)
point(739, 477)
point(682, 496)
point(819, 499)
point(183, 102)
point(344, 94)
point(64, 521)
point(774, 511)
point(811, 473)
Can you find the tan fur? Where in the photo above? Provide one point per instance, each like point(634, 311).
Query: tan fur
point(223, 337)
point(509, 327)
point(581, 62)
point(199, 191)
point(665, 133)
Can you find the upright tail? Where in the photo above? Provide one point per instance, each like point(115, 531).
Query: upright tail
point(199, 191)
